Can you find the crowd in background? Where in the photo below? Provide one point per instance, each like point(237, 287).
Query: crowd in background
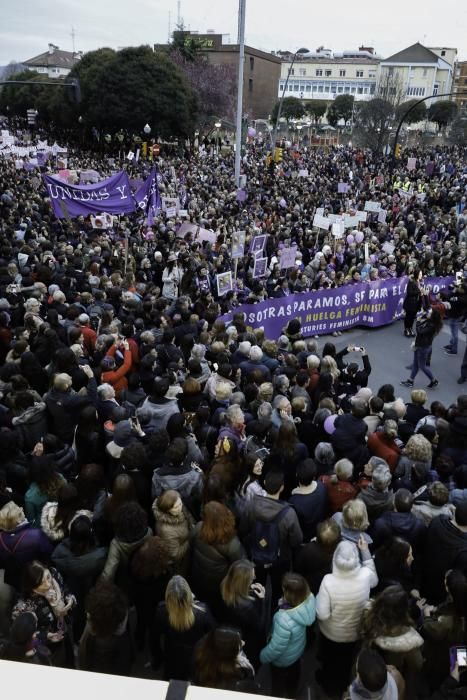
point(214, 501)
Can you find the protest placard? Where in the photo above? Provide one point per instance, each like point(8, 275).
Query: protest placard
point(372, 206)
point(303, 172)
point(238, 244)
point(323, 222)
point(260, 267)
point(287, 257)
point(257, 244)
point(388, 248)
point(382, 216)
point(411, 163)
point(342, 187)
point(362, 215)
point(351, 221)
point(224, 283)
point(338, 229)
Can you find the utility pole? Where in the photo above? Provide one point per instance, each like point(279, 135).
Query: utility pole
point(241, 63)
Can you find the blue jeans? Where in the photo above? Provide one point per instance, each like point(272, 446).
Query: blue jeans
point(454, 324)
point(420, 359)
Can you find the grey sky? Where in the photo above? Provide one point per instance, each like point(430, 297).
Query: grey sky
point(27, 26)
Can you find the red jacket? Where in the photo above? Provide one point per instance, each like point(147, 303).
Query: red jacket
point(117, 377)
point(339, 492)
point(384, 447)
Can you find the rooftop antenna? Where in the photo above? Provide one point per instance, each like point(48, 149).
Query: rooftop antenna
point(179, 12)
point(73, 34)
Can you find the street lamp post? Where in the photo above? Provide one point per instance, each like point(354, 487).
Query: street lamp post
point(241, 63)
point(279, 110)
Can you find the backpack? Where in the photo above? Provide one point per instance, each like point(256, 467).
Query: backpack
point(266, 540)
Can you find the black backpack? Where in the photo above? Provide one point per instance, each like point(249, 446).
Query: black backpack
point(265, 541)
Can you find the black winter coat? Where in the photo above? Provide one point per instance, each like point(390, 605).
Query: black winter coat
point(445, 548)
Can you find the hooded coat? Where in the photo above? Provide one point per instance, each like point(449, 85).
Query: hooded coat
point(288, 638)
point(31, 426)
point(175, 529)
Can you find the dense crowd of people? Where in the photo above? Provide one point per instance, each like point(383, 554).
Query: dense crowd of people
point(187, 491)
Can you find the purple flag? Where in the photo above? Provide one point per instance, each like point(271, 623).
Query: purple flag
point(367, 304)
point(112, 196)
point(148, 198)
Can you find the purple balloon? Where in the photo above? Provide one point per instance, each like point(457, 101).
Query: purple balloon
point(329, 426)
point(350, 239)
point(359, 236)
point(251, 131)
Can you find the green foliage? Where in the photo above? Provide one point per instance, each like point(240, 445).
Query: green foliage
point(292, 108)
point(341, 108)
point(19, 98)
point(316, 108)
point(417, 114)
point(120, 90)
point(372, 122)
point(442, 112)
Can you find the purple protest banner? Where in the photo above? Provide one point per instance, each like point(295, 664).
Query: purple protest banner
point(147, 197)
point(320, 312)
point(112, 195)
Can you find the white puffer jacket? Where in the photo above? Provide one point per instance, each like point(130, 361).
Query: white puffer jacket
point(341, 599)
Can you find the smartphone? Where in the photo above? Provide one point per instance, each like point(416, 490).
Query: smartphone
point(458, 655)
point(357, 348)
point(459, 277)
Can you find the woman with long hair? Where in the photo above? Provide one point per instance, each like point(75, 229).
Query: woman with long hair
point(123, 491)
point(174, 524)
point(88, 439)
point(149, 575)
point(393, 561)
point(287, 454)
point(44, 594)
point(45, 486)
point(252, 486)
point(412, 302)
point(387, 626)
point(245, 607)
point(57, 515)
point(220, 661)
point(215, 547)
point(428, 326)
point(180, 622)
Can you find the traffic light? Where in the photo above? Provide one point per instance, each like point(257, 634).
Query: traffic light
point(278, 155)
point(397, 152)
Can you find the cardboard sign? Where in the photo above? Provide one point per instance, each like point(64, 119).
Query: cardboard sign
point(287, 257)
point(361, 215)
point(382, 216)
point(342, 187)
point(238, 244)
point(372, 206)
point(303, 172)
point(257, 244)
point(351, 221)
point(411, 163)
point(260, 267)
point(322, 222)
point(338, 229)
point(224, 283)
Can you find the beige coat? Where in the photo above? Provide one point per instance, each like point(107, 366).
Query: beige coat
point(175, 530)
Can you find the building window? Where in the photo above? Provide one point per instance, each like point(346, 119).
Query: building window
point(353, 90)
point(252, 62)
point(250, 84)
point(296, 87)
point(320, 88)
point(328, 73)
point(302, 71)
point(416, 92)
point(342, 73)
point(308, 88)
point(346, 89)
point(292, 71)
point(281, 86)
point(372, 74)
point(443, 53)
point(425, 72)
point(340, 89)
point(359, 74)
point(326, 88)
point(318, 72)
point(435, 89)
point(360, 91)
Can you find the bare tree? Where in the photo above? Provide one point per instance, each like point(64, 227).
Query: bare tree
point(391, 87)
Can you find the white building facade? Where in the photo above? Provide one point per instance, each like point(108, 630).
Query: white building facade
point(54, 63)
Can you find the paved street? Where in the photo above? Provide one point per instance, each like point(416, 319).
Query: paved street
point(390, 353)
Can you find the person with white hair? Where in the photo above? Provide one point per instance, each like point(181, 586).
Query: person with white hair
point(64, 404)
point(234, 428)
point(32, 314)
point(255, 363)
point(340, 602)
